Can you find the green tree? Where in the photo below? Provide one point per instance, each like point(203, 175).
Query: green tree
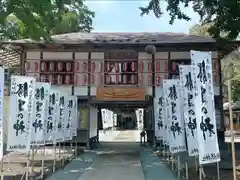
point(40, 19)
point(223, 14)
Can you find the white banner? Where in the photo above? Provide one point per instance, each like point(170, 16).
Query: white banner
point(75, 122)
point(1, 110)
point(69, 116)
point(176, 123)
point(205, 113)
point(189, 115)
point(61, 120)
point(104, 118)
point(166, 114)
point(21, 113)
point(110, 118)
point(51, 123)
point(139, 114)
point(159, 114)
point(40, 113)
point(115, 120)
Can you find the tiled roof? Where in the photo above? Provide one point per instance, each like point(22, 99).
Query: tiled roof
point(123, 38)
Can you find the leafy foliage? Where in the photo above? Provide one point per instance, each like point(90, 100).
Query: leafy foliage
point(40, 19)
point(224, 15)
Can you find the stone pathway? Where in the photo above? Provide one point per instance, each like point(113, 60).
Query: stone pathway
point(116, 161)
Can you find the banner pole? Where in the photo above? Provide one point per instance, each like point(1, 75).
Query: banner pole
point(43, 161)
point(231, 127)
point(55, 157)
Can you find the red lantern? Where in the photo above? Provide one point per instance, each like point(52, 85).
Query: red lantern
point(52, 66)
point(158, 67)
point(141, 67)
point(50, 78)
point(133, 79)
point(43, 66)
point(149, 80)
point(108, 67)
point(134, 67)
point(27, 66)
point(125, 79)
point(150, 67)
point(68, 66)
point(100, 66)
point(67, 79)
point(84, 79)
point(92, 79)
point(174, 66)
point(158, 80)
point(125, 66)
point(116, 67)
point(59, 79)
point(166, 66)
point(117, 78)
point(42, 78)
point(36, 66)
point(108, 79)
point(77, 66)
point(93, 66)
point(60, 66)
point(84, 67)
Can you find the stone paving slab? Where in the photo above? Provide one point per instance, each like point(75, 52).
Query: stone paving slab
point(154, 168)
point(115, 166)
point(75, 168)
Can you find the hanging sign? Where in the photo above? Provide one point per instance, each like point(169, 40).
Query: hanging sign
point(21, 113)
point(50, 131)
point(61, 114)
point(1, 110)
point(75, 116)
point(159, 114)
point(188, 104)
point(205, 113)
point(175, 120)
point(40, 110)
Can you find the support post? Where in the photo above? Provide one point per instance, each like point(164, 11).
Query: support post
point(231, 128)
point(88, 101)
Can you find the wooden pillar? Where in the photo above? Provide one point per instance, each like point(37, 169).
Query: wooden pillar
point(153, 98)
point(220, 91)
point(89, 100)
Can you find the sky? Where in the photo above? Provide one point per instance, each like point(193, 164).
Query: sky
point(124, 16)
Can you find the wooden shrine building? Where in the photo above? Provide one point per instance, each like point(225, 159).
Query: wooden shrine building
point(119, 71)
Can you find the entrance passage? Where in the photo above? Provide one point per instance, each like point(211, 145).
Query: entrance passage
point(125, 123)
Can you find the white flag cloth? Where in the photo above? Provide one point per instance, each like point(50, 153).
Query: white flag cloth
point(70, 115)
point(75, 122)
point(159, 114)
point(189, 115)
point(205, 112)
point(61, 120)
point(1, 110)
point(176, 123)
point(40, 113)
point(52, 116)
point(21, 113)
